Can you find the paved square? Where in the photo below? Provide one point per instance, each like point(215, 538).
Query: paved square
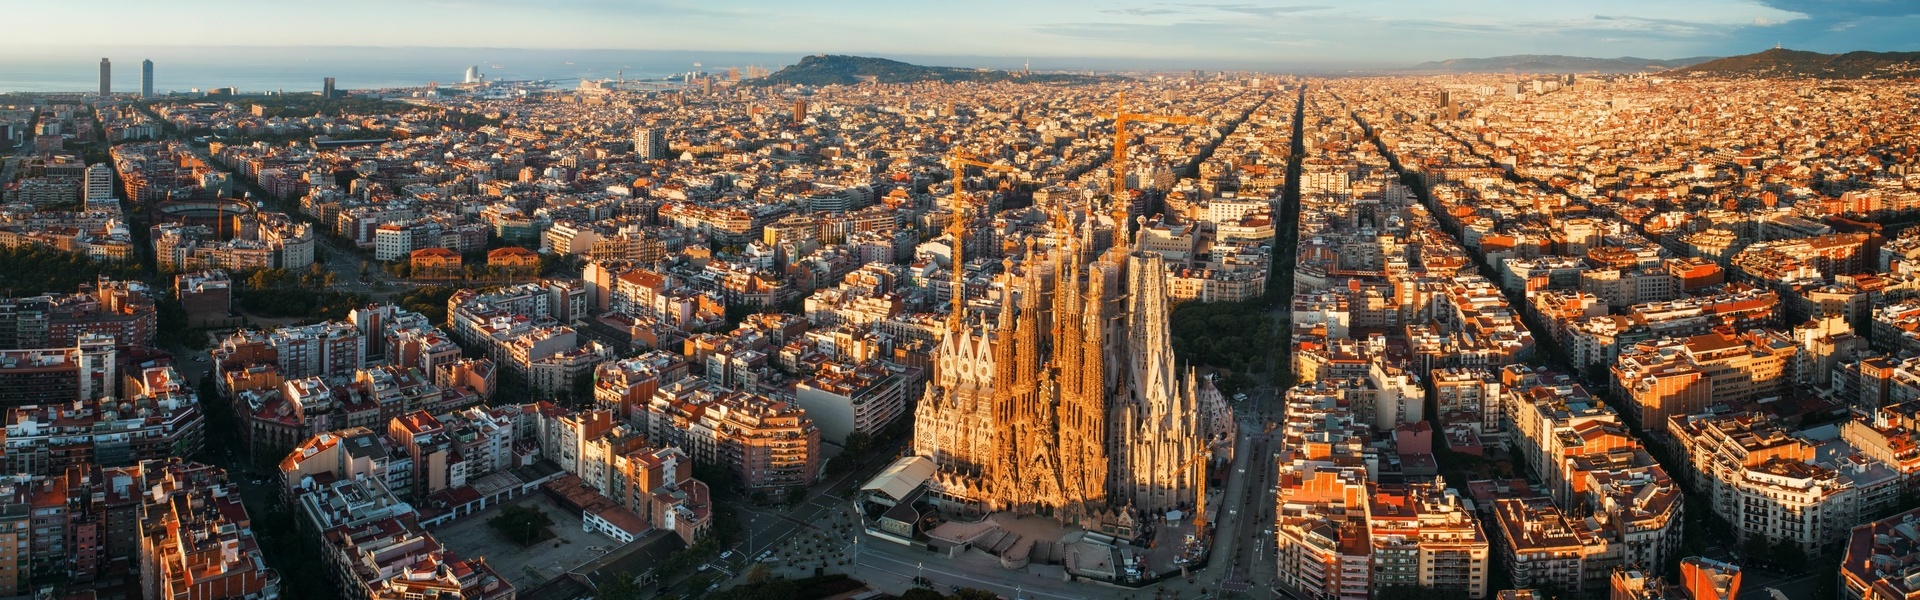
point(526, 567)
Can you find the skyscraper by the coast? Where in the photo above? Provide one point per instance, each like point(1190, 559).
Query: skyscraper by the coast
point(106, 78)
point(326, 88)
point(146, 79)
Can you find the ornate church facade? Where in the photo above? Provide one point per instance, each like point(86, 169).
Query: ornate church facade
point(1067, 403)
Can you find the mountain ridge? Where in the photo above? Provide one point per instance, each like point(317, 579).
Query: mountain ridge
point(837, 69)
point(1555, 63)
point(1783, 62)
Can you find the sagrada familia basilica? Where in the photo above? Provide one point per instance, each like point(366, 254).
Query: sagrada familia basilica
point(1066, 401)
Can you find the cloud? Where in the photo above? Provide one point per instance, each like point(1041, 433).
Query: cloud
point(1259, 10)
point(1650, 25)
point(1834, 26)
point(652, 9)
point(1142, 11)
point(1197, 9)
point(1195, 37)
point(1826, 10)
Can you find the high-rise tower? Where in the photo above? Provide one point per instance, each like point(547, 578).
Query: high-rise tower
point(146, 79)
point(106, 78)
point(98, 184)
point(326, 88)
point(650, 143)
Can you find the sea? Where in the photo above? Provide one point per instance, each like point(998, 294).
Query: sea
point(185, 69)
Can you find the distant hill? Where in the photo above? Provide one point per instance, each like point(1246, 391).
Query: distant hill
point(1781, 62)
point(1553, 63)
point(830, 69)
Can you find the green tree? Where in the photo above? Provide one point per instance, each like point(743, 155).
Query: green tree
point(430, 301)
point(522, 524)
point(922, 594)
point(1414, 592)
point(1827, 578)
point(1756, 547)
point(583, 388)
point(618, 587)
point(859, 443)
point(35, 270)
point(759, 573)
point(1552, 591)
point(1787, 554)
point(1598, 373)
point(973, 594)
point(796, 494)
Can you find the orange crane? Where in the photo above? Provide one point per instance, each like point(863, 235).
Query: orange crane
point(958, 163)
point(1119, 161)
point(1200, 496)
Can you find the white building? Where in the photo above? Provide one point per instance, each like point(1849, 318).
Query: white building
point(99, 182)
point(847, 399)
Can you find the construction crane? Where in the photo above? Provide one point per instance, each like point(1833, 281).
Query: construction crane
point(958, 163)
point(1200, 496)
point(1119, 161)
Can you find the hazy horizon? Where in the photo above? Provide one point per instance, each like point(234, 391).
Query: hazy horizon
point(1086, 33)
point(180, 68)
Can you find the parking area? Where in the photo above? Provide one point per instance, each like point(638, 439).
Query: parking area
point(530, 566)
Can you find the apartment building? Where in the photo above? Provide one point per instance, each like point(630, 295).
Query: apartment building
point(331, 349)
point(1542, 546)
point(85, 371)
point(1423, 536)
point(844, 399)
point(1672, 376)
point(625, 386)
point(207, 297)
point(1321, 544)
point(159, 416)
point(1882, 559)
point(769, 443)
point(436, 466)
point(197, 542)
point(262, 241)
point(1778, 486)
point(345, 454)
point(123, 310)
point(1554, 421)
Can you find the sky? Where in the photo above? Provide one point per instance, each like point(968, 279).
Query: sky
point(1067, 33)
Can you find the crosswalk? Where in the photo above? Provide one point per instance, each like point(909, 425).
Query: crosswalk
point(1236, 581)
